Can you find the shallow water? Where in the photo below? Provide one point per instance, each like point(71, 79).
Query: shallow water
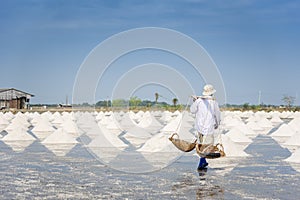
point(36, 172)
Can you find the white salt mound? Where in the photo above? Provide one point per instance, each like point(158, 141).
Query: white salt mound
point(231, 121)
point(254, 126)
point(70, 127)
point(112, 125)
point(295, 124)
point(60, 137)
point(295, 157)
point(15, 125)
point(246, 130)
point(237, 136)
point(156, 144)
point(105, 138)
point(19, 134)
point(231, 148)
point(294, 140)
point(276, 119)
point(172, 126)
point(137, 136)
point(265, 123)
point(284, 131)
point(43, 126)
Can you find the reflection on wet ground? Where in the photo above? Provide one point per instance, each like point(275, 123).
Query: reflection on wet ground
point(38, 173)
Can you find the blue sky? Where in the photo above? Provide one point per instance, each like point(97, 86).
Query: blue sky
point(254, 43)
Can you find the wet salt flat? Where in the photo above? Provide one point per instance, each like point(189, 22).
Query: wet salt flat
point(264, 168)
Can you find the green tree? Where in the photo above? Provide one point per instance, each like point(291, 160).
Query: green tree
point(134, 101)
point(246, 106)
point(175, 100)
point(119, 103)
point(156, 97)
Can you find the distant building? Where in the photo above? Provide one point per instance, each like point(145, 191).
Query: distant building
point(13, 98)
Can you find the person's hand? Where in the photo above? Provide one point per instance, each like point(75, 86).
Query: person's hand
point(194, 97)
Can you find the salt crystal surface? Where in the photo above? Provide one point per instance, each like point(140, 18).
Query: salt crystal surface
point(294, 140)
point(18, 134)
point(236, 135)
point(173, 125)
point(157, 143)
point(295, 157)
point(107, 138)
point(71, 127)
point(254, 126)
point(246, 130)
point(295, 124)
point(60, 136)
point(137, 136)
point(231, 122)
point(43, 126)
point(4, 121)
point(231, 148)
point(264, 123)
point(284, 131)
point(276, 119)
point(15, 125)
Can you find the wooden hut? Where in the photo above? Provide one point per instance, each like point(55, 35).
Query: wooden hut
point(13, 98)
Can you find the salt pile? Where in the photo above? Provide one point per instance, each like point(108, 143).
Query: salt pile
point(154, 125)
point(246, 114)
point(295, 157)
point(42, 129)
point(229, 122)
point(15, 125)
point(137, 136)
point(166, 117)
point(70, 127)
point(159, 143)
point(58, 120)
point(172, 126)
point(84, 120)
point(276, 120)
point(106, 138)
point(134, 117)
point(265, 123)
point(3, 123)
point(18, 139)
point(238, 136)
point(294, 140)
point(295, 124)
point(253, 118)
point(9, 116)
point(145, 120)
point(283, 131)
point(254, 126)
point(231, 148)
point(99, 116)
point(286, 114)
point(106, 146)
point(18, 134)
point(113, 125)
point(39, 118)
point(60, 142)
point(20, 120)
point(59, 136)
point(246, 130)
point(126, 121)
point(184, 131)
point(92, 132)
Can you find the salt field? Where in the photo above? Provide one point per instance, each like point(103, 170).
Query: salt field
point(119, 155)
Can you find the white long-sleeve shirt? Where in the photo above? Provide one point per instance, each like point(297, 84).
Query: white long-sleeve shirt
point(207, 115)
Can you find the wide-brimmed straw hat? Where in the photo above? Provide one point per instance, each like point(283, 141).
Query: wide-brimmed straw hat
point(208, 90)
